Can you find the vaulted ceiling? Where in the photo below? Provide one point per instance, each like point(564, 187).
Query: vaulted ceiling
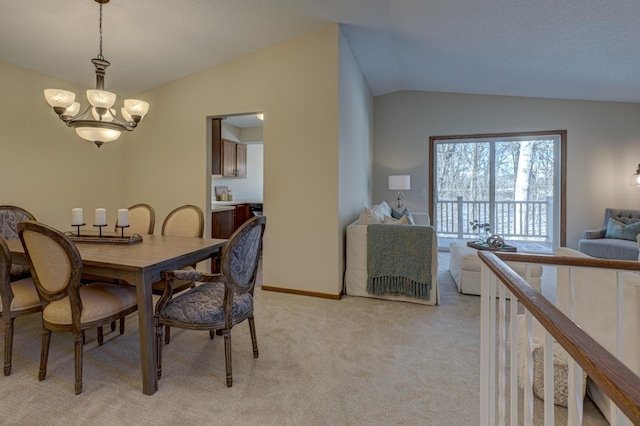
point(571, 49)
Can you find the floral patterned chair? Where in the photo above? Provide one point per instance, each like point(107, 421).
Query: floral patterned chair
point(10, 216)
point(224, 300)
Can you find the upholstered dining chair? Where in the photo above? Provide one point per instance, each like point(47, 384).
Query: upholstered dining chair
point(142, 219)
point(10, 216)
point(184, 221)
point(19, 298)
point(223, 300)
point(67, 305)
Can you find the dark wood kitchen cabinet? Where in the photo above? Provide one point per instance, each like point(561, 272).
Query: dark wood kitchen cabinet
point(234, 159)
point(228, 158)
point(241, 160)
point(222, 226)
point(242, 214)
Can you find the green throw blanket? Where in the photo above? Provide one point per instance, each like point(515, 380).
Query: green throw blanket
point(399, 260)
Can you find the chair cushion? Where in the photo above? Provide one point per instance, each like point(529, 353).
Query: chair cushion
point(99, 300)
point(203, 305)
point(610, 248)
point(19, 272)
point(25, 295)
point(621, 231)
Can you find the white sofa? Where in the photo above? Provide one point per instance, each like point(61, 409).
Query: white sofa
point(356, 268)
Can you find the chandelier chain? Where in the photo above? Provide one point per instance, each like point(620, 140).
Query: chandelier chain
point(100, 54)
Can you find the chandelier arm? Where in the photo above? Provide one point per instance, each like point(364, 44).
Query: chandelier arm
point(67, 119)
point(101, 125)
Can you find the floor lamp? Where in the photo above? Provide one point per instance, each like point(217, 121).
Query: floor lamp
point(399, 183)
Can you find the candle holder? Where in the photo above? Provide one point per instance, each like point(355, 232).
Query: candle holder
point(78, 228)
point(100, 228)
point(122, 229)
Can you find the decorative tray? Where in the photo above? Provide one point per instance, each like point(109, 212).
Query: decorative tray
point(484, 246)
point(105, 239)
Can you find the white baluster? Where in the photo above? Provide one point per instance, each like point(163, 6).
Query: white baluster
point(513, 357)
point(548, 380)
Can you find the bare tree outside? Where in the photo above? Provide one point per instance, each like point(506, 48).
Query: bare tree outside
point(508, 183)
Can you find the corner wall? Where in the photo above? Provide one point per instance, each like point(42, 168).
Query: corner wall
point(295, 83)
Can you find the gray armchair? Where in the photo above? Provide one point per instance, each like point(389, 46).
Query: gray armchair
point(597, 243)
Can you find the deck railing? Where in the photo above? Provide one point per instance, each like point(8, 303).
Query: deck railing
point(499, 348)
point(532, 220)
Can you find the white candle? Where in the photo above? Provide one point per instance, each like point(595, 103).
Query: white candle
point(101, 217)
point(123, 217)
point(76, 217)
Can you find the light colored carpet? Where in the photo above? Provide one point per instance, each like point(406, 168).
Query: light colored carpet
point(357, 361)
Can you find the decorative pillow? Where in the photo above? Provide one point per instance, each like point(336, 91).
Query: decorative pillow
point(621, 231)
point(369, 216)
point(382, 208)
point(397, 214)
point(404, 220)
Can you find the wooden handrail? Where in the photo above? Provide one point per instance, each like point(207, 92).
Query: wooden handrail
point(585, 262)
point(619, 382)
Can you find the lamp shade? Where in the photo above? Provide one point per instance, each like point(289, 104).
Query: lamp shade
point(101, 98)
point(59, 98)
point(399, 182)
point(94, 134)
point(136, 107)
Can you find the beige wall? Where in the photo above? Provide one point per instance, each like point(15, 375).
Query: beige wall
point(603, 144)
point(46, 167)
point(296, 85)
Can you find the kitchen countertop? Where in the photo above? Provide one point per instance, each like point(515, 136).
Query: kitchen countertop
point(217, 208)
point(230, 205)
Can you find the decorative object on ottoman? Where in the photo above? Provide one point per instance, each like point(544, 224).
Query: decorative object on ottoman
point(483, 229)
point(560, 375)
point(495, 242)
point(485, 246)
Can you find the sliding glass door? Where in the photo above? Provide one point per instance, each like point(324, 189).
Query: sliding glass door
point(512, 182)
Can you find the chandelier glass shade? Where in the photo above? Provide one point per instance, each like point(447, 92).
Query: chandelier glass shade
point(98, 122)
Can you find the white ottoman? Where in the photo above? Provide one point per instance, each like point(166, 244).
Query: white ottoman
point(464, 265)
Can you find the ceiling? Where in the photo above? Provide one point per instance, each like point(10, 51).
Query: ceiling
point(571, 49)
point(249, 120)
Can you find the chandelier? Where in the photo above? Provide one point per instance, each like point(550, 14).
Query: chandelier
point(98, 123)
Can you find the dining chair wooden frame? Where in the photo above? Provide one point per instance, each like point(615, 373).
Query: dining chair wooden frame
point(224, 300)
point(67, 305)
point(19, 298)
point(142, 219)
point(10, 216)
point(180, 222)
point(171, 227)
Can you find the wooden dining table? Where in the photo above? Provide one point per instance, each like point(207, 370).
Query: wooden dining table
point(141, 265)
